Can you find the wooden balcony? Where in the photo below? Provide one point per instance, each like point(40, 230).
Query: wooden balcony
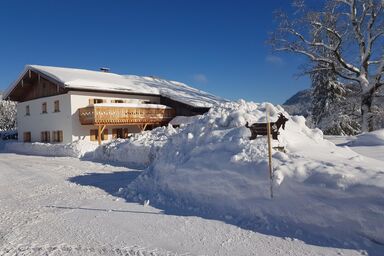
point(123, 114)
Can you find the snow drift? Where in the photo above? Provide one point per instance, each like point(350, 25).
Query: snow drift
point(138, 151)
point(322, 192)
point(208, 166)
point(375, 138)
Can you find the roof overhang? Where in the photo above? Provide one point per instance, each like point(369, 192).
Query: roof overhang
point(27, 73)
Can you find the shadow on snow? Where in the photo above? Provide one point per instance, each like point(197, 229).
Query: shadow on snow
point(109, 182)
point(112, 182)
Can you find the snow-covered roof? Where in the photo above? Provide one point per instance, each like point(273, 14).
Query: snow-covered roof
point(105, 81)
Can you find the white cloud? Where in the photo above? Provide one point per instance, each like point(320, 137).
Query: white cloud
point(200, 78)
point(275, 60)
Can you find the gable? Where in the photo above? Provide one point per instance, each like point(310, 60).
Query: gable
point(33, 85)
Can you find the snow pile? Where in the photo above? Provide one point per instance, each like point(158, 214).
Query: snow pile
point(75, 149)
point(375, 138)
point(178, 120)
point(139, 150)
point(321, 191)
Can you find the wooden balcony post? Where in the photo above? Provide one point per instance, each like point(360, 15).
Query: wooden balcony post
point(100, 130)
point(99, 134)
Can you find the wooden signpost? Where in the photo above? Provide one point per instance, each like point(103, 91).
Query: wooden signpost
point(269, 152)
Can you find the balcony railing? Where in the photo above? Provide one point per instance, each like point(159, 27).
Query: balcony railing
point(120, 115)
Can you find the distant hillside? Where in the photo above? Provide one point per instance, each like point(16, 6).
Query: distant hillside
point(299, 104)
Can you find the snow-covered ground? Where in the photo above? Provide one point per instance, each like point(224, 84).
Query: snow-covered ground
point(323, 194)
point(65, 206)
point(326, 196)
point(375, 151)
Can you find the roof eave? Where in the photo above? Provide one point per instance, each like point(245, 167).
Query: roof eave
point(12, 86)
point(28, 68)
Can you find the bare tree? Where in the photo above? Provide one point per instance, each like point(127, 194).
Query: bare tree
point(344, 36)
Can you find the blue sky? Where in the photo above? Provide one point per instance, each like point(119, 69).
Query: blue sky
point(217, 46)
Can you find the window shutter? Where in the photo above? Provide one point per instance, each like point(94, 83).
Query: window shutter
point(48, 136)
point(60, 136)
point(27, 136)
point(93, 135)
point(125, 135)
point(56, 106)
point(114, 133)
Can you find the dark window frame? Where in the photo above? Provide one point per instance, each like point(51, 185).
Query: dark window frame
point(56, 106)
point(44, 108)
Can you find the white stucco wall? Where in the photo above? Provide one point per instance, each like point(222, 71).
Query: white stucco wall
point(37, 122)
point(81, 99)
point(67, 120)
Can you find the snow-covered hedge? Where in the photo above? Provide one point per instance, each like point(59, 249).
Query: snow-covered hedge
point(76, 149)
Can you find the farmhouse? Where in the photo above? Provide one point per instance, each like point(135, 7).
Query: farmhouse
point(61, 105)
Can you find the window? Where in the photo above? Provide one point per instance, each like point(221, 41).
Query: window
point(56, 106)
point(57, 136)
point(117, 101)
point(149, 127)
point(44, 108)
point(27, 113)
point(45, 136)
point(94, 135)
point(27, 136)
point(117, 133)
point(96, 101)
point(121, 133)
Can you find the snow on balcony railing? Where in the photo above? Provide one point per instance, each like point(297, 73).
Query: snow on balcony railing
point(100, 114)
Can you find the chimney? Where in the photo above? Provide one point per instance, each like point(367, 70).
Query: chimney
point(103, 69)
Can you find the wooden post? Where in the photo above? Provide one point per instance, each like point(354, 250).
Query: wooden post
point(99, 134)
point(100, 131)
point(269, 152)
point(142, 126)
